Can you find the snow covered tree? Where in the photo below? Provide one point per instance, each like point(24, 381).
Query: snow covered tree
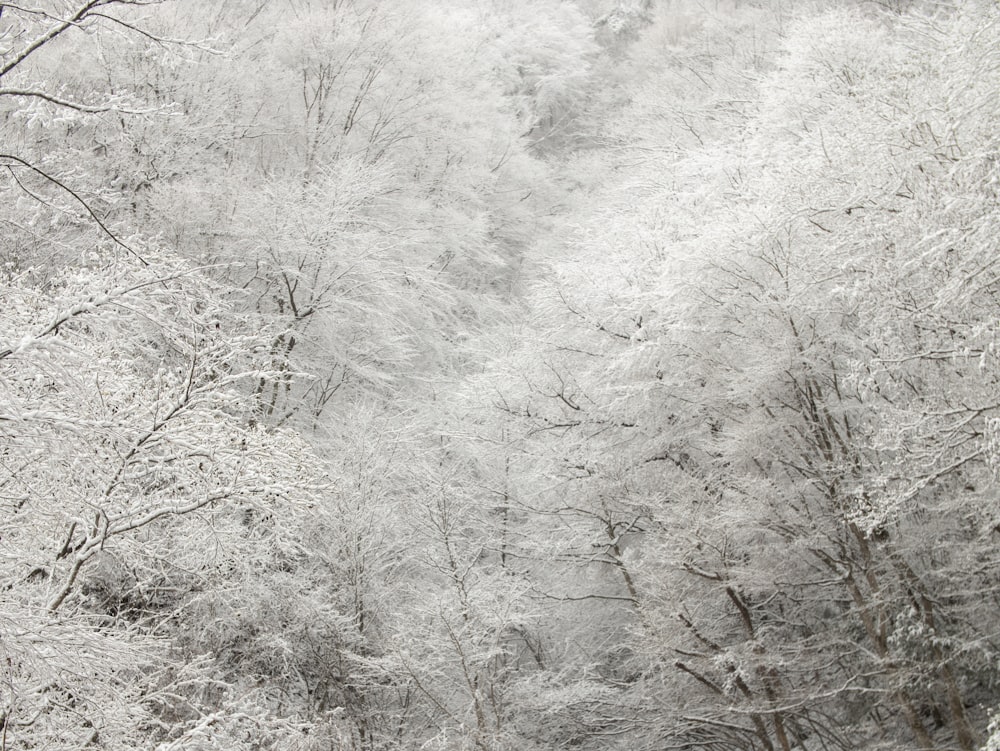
point(715, 377)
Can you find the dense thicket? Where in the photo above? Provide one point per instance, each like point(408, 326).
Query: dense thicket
point(508, 375)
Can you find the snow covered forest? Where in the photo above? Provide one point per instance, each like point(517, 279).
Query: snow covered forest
point(500, 375)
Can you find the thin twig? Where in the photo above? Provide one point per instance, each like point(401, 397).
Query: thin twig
point(82, 202)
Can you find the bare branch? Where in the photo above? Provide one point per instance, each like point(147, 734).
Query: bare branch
point(59, 28)
point(87, 306)
point(90, 109)
point(164, 41)
point(38, 171)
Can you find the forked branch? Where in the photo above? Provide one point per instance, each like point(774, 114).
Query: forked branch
point(11, 162)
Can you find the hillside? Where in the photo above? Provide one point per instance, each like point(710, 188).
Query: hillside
point(502, 375)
